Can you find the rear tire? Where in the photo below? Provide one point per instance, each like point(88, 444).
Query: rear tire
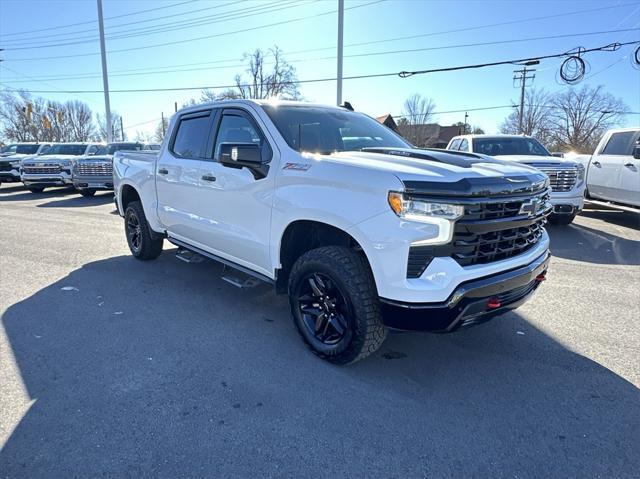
point(561, 220)
point(87, 192)
point(335, 305)
point(35, 189)
point(143, 243)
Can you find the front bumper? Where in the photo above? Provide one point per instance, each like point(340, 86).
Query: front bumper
point(93, 182)
point(10, 176)
point(471, 303)
point(568, 203)
point(61, 179)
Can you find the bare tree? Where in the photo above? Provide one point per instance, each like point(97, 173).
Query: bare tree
point(417, 113)
point(261, 82)
point(161, 129)
point(101, 127)
point(580, 116)
point(536, 119)
point(80, 119)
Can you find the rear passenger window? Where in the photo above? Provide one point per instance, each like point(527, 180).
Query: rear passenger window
point(464, 145)
point(455, 144)
point(620, 143)
point(191, 137)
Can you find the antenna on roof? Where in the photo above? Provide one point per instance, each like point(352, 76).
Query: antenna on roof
point(347, 105)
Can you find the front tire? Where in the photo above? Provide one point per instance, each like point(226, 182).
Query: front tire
point(561, 220)
point(335, 305)
point(87, 192)
point(143, 243)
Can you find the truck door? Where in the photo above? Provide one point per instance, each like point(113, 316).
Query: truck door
point(607, 167)
point(630, 175)
point(235, 204)
point(178, 172)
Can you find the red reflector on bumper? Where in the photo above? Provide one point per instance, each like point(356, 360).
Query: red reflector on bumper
point(493, 303)
point(541, 277)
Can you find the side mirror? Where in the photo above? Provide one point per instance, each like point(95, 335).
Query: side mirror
point(247, 155)
point(557, 154)
point(636, 152)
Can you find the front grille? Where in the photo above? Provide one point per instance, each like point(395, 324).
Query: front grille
point(41, 169)
point(562, 179)
point(489, 231)
point(93, 169)
point(471, 248)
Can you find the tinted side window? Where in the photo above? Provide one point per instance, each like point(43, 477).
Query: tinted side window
point(620, 143)
point(464, 145)
point(191, 137)
point(236, 129)
point(455, 144)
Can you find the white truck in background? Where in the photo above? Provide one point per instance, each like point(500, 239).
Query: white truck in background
point(362, 231)
point(613, 171)
point(566, 175)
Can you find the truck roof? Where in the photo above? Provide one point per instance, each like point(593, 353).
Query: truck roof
point(222, 103)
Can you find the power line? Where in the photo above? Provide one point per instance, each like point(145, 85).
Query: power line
point(57, 27)
point(403, 74)
point(206, 37)
point(170, 26)
point(443, 47)
point(137, 22)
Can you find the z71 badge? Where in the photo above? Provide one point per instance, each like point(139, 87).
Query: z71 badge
point(296, 166)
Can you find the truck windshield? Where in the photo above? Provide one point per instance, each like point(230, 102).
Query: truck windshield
point(67, 149)
point(113, 147)
point(509, 146)
point(327, 130)
point(27, 149)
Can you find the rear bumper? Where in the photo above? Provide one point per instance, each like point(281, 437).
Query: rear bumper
point(469, 303)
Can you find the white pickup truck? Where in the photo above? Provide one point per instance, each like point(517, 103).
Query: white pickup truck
point(566, 175)
point(336, 210)
point(613, 171)
point(12, 156)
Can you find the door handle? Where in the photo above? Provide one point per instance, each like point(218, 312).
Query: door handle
point(163, 171)
point(597, 163)
point(629, 165)
point(208, 178)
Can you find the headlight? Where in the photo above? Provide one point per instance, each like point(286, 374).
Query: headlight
point(581, 170)
point(15, 163)
point(66, 163)
point(424, 211)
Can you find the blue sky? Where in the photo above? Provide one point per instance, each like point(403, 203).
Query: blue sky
point(312, 25)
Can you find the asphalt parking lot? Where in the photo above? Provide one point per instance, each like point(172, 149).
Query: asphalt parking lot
point(113, 367)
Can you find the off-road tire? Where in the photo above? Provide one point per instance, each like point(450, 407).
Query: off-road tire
point(87, 192)
point(150, 243)
point(561, 220)
point(35, 189)
point(351, 274)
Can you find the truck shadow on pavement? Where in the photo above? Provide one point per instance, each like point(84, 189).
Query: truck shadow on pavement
point(80, 201)
point(28, 195)
point(163, 369)
point(583, 243)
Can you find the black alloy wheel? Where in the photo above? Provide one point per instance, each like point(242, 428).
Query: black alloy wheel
point(134, 231)
point(324, 310)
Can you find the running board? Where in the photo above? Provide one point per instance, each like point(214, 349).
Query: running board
point(195, 251)
point(612, 206)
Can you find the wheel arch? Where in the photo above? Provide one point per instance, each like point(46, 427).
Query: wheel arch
point(301, 236)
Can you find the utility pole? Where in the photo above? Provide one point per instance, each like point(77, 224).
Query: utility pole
point(466, 116)
point(121, 130)
point(340, 48)
point(175, 107)
point(522, 77)
point(162, 121)
point(105, 75)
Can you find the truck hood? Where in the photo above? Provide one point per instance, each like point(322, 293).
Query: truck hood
point(535, 160)
point(445, 173)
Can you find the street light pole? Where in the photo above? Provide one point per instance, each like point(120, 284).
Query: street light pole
point(340, 48)
point(105, 75)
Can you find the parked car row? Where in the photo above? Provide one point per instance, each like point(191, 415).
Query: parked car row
point(86, 166)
